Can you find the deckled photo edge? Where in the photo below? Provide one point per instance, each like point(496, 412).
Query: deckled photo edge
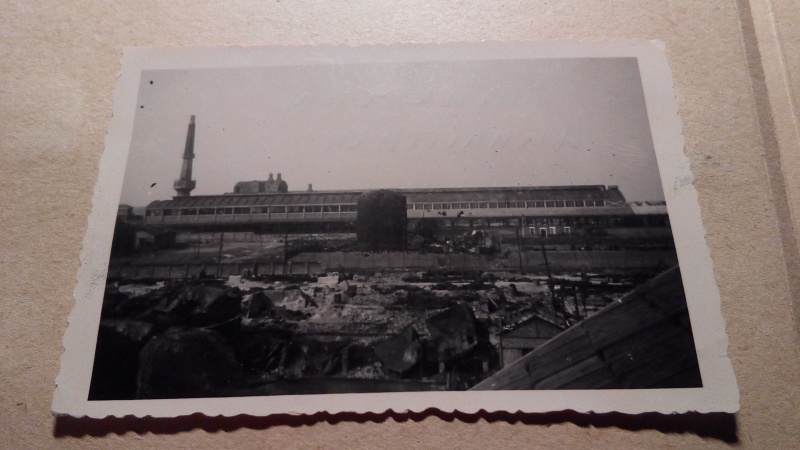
point(718, 393)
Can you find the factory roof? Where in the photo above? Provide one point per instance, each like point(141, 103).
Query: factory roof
point(514, 193)
point(290, 198)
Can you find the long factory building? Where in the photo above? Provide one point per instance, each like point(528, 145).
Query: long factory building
point(542, 210)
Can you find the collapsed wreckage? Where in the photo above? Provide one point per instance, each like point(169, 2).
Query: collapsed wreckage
point(282, 335)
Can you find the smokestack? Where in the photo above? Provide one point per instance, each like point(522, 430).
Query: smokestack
point(185, 184)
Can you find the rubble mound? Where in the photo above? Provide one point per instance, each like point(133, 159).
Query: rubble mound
point(184, 363)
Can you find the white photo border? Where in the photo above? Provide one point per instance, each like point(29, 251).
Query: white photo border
point(718, 394)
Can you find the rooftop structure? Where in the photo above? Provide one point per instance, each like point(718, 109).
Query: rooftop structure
point(184, 185)
point(270, 186)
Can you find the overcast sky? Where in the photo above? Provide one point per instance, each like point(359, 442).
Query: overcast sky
point(406, 125)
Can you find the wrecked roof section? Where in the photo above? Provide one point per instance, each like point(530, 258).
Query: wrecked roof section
point(642, 341)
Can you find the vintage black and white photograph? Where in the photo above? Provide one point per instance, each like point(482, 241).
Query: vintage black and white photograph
point(440, 223)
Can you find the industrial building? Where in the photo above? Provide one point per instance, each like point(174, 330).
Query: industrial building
point(545, 210)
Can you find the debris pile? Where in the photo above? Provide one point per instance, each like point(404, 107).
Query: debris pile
point(275, 334)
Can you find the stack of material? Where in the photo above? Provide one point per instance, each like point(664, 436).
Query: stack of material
point(643, 341)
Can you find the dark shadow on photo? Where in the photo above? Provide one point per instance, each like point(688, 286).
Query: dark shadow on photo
point(718, 426)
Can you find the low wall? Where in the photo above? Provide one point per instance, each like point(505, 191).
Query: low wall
point(559, 261)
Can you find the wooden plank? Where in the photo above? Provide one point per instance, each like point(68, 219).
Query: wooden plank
point(561, 352)
point(534, 329)
point(567, 349)
point(627, 355)
point(653, 302)
point(591, 373)
point(512, 376)
point(619, 321)
point(688, 378)
point(671, 299)
point(523, 343)
point(639, 342)
point(662, 369)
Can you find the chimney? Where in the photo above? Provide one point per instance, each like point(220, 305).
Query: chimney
point(184, 185)
point(309, 188)
point(279, 177)
point(270, 178)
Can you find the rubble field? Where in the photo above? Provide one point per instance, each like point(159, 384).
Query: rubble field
point(338, 332)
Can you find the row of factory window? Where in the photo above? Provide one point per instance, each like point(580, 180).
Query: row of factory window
point(518, 204)
point(290, 209)
point(578, 221)
point(297, 209)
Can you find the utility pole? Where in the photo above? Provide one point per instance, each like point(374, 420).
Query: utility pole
point(519, 245)
point(219, 255)
point(549, 278)
point(285, 248)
